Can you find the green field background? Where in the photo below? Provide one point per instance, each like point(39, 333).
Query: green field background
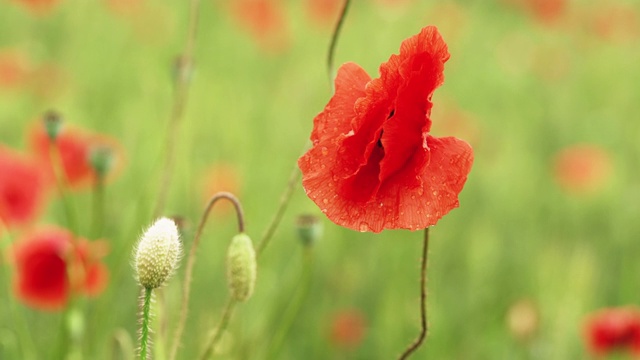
point(528, 89)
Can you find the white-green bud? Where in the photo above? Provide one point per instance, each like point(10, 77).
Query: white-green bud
point(157, 253)
point(241, 267)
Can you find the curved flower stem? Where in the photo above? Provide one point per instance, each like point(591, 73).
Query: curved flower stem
point(186, 287)
point(334, 41)
point(184, 67)
point(294, 179)
point(423, 300)
point(295, 305)
point(222, 326)
point(144, 330)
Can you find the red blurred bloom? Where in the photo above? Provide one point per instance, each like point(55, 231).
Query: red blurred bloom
point(13, 70)
point(49, 267)
point(373, 164)
point(348, 329)
point(613, 329)
point(264, 20)
point(74, 149)
point(39, 7)
point(582, 168)
point(22, 188)
point(324, 12)
point(615, 22)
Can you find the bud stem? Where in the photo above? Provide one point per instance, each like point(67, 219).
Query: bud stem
point(423, 300)
point(144, 331)
point(98, 207)
point(222, 326)
point(186, 287)
point(334, 41)
point(61, 181)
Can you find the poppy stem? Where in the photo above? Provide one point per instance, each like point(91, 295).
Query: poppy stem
point(186, 287)
point(423, 300)
point(144, 330)
point(294, 179)
point(217, 334)
point(183, 68)
point(61, 182)
point(289, 317)
point(98, 208)
point(334, 41)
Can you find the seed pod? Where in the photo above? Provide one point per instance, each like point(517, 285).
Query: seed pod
point(241, 267)
point(157, 253)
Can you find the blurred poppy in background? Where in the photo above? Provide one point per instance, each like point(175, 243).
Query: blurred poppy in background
point(348, 328)
point(51, 264)
point(265, 21)
point(23, 188)
point(582, 168)
point(615, 329)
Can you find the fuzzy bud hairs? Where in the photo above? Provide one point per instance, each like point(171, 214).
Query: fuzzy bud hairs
point(157, 253)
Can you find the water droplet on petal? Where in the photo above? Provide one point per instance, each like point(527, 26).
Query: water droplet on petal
point(435, 193)
point(325, 201)
point(363, 227)
point(325, 151)
point(381, 204)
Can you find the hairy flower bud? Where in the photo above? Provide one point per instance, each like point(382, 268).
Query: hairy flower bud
point(101, 159)
point(241, 267)
point(157, 253)
point(309, 229)
point(52, 124)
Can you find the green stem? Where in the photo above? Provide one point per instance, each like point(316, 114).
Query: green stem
point(423, 300)
point(61, 182)
point(144, 331)
point(295, 305)
point(334, 41)
point(181, 95)
point(98, 208)
point(186, 287)
point(217, 334)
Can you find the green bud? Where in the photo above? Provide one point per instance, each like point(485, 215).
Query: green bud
point(101, 159)
point(241, 267)
point(157, 253)
point(52, 124)
point(309, 229)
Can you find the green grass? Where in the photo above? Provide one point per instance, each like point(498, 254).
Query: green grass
point(516, 235)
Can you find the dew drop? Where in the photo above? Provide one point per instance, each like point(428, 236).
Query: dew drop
point(363, 227)
point(381, 204)
point(322, 166)
point(413, 197)
point(325, 201)
point(325, 151)
point(420, 191)
point(435, 193)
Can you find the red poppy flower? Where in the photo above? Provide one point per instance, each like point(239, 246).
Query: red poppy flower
point(265, 22)
point(373, 164)
point(348, 329)
point(13, 70)
point(324, 12)
point(22, 188)
point(39, 7)
point(613, 329)
point(49, 266)
point(582, 168)
point(74, 149)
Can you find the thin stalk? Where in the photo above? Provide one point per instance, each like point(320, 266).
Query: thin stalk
point(186, 287)
point(61, 182)
point(294, 179)
point(334, 41)
point(144, 330)
point(423, 300)
point(222, 326)
point(181, 95)
point(98, 208)
point(121, 341)
point(289, 317)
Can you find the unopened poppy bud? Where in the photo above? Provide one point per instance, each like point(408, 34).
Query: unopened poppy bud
point(157, 253)
point(309, 229)
point(101, 159)
point(52, 124)
point(241, 267)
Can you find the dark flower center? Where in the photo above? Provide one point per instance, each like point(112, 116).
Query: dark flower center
point(379, 143)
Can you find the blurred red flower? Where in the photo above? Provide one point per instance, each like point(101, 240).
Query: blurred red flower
point(39, 7)
point(222, 177)
point(324, 12)
point(13, 70)
point(265, 22)
point(614, 22)
point(613, 329)
point(582, 168)
point(50, 265)
point(348, 328)
point(373, 164)
point(74, 150)
point(23, 188)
